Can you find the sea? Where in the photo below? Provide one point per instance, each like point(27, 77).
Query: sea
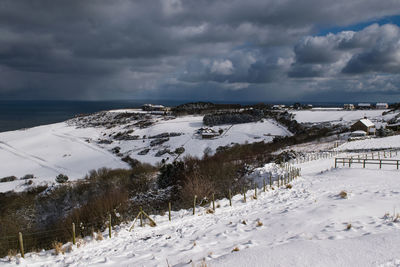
point(20, 114)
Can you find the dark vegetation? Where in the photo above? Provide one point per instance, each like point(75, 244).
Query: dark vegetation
point(203, 108)
point(395, 106)
point(251, 115)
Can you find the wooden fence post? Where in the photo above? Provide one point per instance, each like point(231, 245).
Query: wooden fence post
point(141, 217)
point(169, 211)
point(194, 204)
point(255, 190)
point(213, 201)
point(380, 164)
point(21, 244)
point(109, 225)
point(364, 163)
point(230, 197)
point(270, 180)
point(73, 234)
point(264, 189)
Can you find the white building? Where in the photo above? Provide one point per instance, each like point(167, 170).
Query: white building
point(364, 105)
point(348, 106)
point(382, 106)
point(151, 107)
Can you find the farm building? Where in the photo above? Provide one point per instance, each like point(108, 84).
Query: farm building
point(382, 106)
point(278, 107)
point(364, 125)
point(207, 133)
point(348, 106)
point(151, 107)
point(364, 106)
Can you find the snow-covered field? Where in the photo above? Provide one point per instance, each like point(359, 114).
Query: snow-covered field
point(335, 116)
point(308, 225)
point(193, 144)
point(390, 142)
point(49, 150)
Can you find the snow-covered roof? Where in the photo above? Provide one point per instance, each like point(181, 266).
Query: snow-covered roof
point(382, 104)
point(367, 122)
point(364, 104)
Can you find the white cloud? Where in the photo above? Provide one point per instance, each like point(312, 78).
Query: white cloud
point(223, 67)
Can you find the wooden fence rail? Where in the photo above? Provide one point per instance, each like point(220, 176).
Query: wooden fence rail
point(366, 161)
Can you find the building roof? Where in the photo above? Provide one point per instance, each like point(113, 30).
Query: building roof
point(382, 104)
point(367, 122)
point(364, 104)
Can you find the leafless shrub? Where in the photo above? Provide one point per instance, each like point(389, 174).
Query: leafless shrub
point(99, 236)
point(343, 194)
point(58, 248)
point(12, 253)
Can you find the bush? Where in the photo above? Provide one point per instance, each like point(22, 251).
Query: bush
point(179, 150)
point(27, 177)
point(171, 174)
point(61, 178)
point(8, 179)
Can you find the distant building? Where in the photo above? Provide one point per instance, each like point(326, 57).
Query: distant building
point(348, 106)
point(278, 106)
point(207, 133)
point(151, 107)
point(364, 105)
point(381, 106)
point(364, 125)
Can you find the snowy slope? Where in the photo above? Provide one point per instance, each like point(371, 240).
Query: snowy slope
point(302, 226)
point(49, 150)
point(335, 116)
point(374, 143)
point(193, 144)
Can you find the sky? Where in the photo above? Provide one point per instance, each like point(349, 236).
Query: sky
point(222, 50)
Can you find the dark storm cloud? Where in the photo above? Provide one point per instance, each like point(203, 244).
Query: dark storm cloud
point(121, 48)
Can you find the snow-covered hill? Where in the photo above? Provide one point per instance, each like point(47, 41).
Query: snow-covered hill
point(308, 225)
point(101, 140)
point(390, 142)
point(337, 116)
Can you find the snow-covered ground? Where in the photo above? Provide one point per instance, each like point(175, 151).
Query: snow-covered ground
point(308, 225)
point(390, 142)
point(193, 144)
point(49, 150)
point(335, 116)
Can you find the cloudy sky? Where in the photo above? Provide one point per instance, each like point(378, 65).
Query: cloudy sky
point(253, 50)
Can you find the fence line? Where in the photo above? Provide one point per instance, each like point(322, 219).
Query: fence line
point(365, 161)
point(25, 242)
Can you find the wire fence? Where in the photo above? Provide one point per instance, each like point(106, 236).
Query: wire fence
point(32, 241)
